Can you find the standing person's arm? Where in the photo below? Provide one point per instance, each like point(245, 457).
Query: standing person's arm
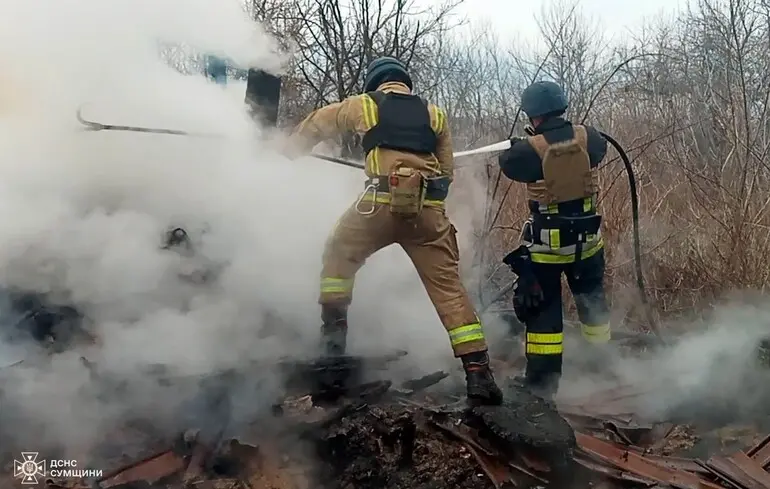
point(520, 162)
point(325, 123)
point(596, 146)
point(444, 147)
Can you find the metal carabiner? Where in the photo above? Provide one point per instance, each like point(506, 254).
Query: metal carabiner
point(527, 226)
point(373, 187)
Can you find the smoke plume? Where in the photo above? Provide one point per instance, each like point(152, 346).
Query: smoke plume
point(82, 216)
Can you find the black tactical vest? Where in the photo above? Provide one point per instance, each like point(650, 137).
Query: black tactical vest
point(403, 124)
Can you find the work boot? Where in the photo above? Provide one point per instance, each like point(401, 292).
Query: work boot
point(334, 340)
point(481, 385)
point(334, 331)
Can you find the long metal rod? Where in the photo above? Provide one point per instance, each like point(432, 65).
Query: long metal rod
point(501, 146)
point(98, 126)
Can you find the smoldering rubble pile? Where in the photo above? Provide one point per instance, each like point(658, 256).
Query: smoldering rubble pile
point(353, 434)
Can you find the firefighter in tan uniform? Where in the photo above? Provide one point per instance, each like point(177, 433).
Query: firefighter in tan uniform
point(557, 162)
point(409, 168)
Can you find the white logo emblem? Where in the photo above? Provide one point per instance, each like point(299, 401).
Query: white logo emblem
point(28, 468)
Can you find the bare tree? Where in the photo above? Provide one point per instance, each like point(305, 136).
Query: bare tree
point(339, 38)
point(688, 98)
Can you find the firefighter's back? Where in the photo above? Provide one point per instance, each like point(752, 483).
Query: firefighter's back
point(399, 129)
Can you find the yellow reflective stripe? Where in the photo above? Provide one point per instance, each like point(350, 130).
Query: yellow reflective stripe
point(370, 112)
point(380, 198)
point(384, 198)
point(438, 119)
point(465, 334)
point(536, 349)
point(375, 154)
point(554, 239)
point(552, 209)
point(434, 203)
point(370, 120)
point(545, 338)
point(588, 204)
point(561, 259)
point(545, 343)
point(599, 333)
point(336, 285)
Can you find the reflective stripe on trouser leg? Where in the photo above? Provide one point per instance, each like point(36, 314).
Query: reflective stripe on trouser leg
point(467, 338)
point(544, 359)
point(596, 333)
point(545, 343)
point(335, 289)
point(545, 331)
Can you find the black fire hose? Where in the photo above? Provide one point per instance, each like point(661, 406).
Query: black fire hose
point(636, 235)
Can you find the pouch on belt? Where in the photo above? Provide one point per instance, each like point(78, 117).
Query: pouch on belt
point(407, 189)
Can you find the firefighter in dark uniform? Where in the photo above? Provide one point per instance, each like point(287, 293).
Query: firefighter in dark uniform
point(558, 164)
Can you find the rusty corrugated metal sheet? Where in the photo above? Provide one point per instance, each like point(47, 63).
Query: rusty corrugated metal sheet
point(630, 461)
point(613, 472)
point(151, 469)
point(497, 472)
point(677, 463)
point(740, 470)
point(761, 452)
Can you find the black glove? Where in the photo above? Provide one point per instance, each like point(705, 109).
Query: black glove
point(527, 295)
point(527, 298)
point(516, 139)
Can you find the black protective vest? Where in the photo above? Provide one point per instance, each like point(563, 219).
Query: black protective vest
point(403, 124)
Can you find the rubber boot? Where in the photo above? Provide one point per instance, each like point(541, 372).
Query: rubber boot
point(334, 331)
point(480, 384)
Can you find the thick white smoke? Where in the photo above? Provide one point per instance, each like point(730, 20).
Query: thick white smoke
point(82, 213)
point(710, 371)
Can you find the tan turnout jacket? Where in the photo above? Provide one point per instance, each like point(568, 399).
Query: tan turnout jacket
point(358, 114)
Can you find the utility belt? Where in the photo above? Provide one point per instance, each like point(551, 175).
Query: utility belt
point(435, 188)
point(405, 190)
point(558, 231)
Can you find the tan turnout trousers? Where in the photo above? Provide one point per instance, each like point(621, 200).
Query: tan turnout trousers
point(431, 243)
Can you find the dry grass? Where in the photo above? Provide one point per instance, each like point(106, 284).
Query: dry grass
point(698, 244)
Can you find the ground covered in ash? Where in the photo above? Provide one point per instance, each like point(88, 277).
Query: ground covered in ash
point(379, 438)
point(387, 447)
point(361, 433)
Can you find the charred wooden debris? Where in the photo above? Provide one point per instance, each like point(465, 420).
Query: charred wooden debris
point(341, 432)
